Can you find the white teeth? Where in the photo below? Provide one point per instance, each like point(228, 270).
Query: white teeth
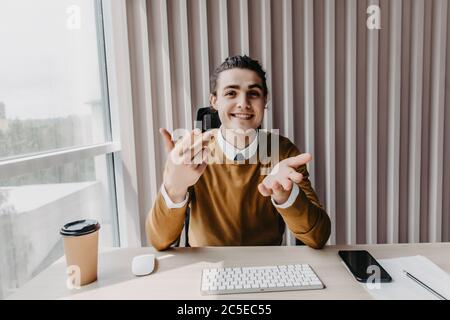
point(242, 116)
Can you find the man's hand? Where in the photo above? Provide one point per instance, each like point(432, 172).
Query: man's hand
point(186, 162)
point(279, 182)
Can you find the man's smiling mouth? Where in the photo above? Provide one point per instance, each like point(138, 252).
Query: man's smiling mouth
point(243, 116)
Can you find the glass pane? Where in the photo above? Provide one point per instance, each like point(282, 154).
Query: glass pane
point(52, 87)
point(34, 206)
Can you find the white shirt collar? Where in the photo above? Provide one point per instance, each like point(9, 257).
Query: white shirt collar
point(230, 151)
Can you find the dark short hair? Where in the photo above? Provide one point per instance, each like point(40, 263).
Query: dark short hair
point(241, 62)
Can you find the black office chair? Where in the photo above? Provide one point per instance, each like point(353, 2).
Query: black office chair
point(207, 118)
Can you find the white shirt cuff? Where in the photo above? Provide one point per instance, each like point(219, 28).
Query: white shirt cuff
point(290, 201)
point(169, 203)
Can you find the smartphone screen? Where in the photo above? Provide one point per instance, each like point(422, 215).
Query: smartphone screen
point(362, 265)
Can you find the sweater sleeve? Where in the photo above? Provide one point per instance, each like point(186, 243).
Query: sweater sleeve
point(306, 218)
point(163, 226)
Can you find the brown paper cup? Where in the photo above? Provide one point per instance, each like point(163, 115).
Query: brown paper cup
point(81, 249)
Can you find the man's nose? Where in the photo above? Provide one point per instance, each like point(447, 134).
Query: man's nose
point(243, 102)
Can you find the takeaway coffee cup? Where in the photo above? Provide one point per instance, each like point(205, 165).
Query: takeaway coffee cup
point(81, 249)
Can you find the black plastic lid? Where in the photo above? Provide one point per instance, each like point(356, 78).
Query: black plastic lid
point(80, 227)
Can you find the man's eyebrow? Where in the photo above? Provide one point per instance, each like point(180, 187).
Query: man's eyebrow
point(232, 86)
point(256, 85)
point(235, 86)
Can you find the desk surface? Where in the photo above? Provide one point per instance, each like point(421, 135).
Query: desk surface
point(177, 272)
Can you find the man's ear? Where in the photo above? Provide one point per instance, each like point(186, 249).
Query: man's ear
point(213, 101)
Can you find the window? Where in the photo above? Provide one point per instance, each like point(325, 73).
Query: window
point(51, 90)
point(56, 148)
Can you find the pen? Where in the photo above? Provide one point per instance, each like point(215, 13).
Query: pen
point(424, 285)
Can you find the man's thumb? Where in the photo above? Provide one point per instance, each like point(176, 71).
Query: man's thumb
point(168, 143)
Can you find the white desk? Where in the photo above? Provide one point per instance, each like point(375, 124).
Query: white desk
point(178, 272)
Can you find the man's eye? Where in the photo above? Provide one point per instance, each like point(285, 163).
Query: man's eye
point(254, 94)
point(230, 93)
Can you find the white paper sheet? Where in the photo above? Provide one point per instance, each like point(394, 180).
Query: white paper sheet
point(402, 287)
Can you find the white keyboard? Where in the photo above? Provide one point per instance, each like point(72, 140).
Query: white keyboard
point(259, 279)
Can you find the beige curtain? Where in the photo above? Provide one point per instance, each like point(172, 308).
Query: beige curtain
point(372, 106)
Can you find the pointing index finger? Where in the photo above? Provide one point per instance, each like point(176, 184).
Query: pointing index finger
point(297, 161)
point(193, 139)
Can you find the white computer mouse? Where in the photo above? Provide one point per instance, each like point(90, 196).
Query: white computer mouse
point(143, 265)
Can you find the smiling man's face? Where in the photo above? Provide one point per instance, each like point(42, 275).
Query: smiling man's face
point(239, 99)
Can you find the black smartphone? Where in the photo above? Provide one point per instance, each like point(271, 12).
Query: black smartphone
point(363, 266)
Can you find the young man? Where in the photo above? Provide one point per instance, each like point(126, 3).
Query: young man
point(231, 202)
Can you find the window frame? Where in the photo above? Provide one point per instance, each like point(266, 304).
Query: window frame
point(117, 88)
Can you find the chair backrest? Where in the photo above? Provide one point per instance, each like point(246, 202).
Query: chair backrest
point(207, 119)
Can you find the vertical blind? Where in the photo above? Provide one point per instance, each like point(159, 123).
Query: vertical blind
point(370, 105)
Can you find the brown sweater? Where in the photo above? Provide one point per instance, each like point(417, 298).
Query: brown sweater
point(226, 208)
